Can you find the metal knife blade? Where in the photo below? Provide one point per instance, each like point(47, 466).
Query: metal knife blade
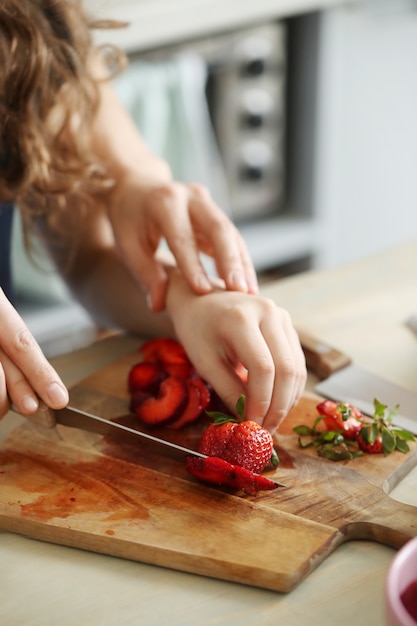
point(77, 418)
point(346, 382)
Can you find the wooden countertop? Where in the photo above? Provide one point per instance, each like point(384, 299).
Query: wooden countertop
point(361, 308)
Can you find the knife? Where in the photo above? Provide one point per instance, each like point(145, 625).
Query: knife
point(343, 381)
point(76, 418)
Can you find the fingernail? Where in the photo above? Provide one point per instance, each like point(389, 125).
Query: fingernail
point(237, 281)
point(29, 404)
point(57, 394)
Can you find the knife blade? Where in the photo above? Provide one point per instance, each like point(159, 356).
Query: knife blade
point(77, 418)
point(343, 381)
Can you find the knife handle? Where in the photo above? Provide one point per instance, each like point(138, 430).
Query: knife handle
point(44, 416)
point(321, 358)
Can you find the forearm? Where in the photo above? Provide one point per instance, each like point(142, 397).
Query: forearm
point(114, 298)
point(97, 276)
point(118, 144)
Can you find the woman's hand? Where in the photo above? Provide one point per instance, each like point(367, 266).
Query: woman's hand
point(25, 373)
point(222, 329)
point(191, 223)
point(147, 205)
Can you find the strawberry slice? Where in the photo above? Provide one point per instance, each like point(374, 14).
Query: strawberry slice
point(169, 402)
point(169, 355)
point(145, 377)
point(182, 370)
point(252, 483)
point(211, 470)
point(164, 350)
point(137, 398)
point(341, 416)
point(198, 400)
point(216, 471)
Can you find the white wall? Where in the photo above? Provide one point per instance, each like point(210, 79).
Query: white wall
point(366, 155)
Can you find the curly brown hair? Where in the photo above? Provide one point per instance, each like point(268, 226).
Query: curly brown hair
point(48, 100)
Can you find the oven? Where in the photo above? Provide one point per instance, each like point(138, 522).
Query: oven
point(215, 109)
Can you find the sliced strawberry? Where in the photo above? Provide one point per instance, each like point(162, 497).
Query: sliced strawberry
point(252, 483)
point(341, 416)
point(168, 403)
point(145, 377)
point(182, 370)
point(137, 398)
point(370, 447)
point(211, 470)
point(216, 471)
point(198, 399)
point(164, 350)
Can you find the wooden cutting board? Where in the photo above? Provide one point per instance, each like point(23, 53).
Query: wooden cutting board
point(78, 489)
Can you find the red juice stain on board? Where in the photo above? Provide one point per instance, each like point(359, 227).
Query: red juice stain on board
point(409, 599)
point(102, 486)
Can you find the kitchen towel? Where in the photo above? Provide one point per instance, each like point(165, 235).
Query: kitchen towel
point(167, 101)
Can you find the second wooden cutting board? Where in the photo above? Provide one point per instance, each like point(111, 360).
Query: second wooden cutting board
point(77, 489)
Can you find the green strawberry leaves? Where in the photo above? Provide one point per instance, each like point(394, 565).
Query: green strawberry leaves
point(219, 417)
point(332, 445)
point(392, 438)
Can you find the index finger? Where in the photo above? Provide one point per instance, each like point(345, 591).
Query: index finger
point(172, 216)
point(228, 248)
point(26, 357)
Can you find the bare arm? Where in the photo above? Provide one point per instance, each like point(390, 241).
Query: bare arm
point(147, 205)
point(98, 277)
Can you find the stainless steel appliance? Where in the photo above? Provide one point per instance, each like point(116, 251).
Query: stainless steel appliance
point(245, 94)
point(247, 104)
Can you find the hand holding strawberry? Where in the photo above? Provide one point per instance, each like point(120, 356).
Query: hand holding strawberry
point(235, 329)
point(240, 442)
point(167, 391)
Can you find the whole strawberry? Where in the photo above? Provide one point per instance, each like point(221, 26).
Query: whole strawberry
point(243, 443)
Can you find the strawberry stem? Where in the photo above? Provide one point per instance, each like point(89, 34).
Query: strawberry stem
point(219, 417)
point(274, 458)
point(240, 406)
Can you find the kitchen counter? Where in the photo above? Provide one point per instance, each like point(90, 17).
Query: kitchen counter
point(361, 308)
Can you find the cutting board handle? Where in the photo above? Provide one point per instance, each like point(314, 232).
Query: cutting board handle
point(44, 416)
point(321, 358)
